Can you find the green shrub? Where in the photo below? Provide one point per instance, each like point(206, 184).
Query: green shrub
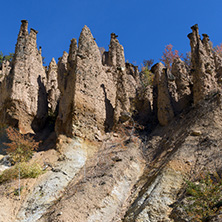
point(147, 76)
point(5, 57)
point(16, 191)
point(26, 171)
point(204, 197)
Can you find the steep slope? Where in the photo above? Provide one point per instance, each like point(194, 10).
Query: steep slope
point(190, 145)
point(117, 187)
point(103, 186)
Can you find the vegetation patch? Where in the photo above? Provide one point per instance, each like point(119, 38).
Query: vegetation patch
point(27, 170)
point(204, 197)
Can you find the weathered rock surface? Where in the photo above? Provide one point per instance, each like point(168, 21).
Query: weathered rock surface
point(66, 85)
point(5, 69)
point(53, 184)
point(53, 92)
point(23, 94)
point(174, 155)
point(202, 65)
point(115, 55)
point(89, 91)
point(119, 178)
point(62, 71)
point(122, 103)
point(143, 106)
point(101, 195)
point(182, 81)
point(93, 97)
point(163, 101)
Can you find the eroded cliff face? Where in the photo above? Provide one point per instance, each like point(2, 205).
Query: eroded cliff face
point(97, 92)
point(187, 147)
point(85, 100)
point(93, 95)
point(5, 69)
point(183, 85)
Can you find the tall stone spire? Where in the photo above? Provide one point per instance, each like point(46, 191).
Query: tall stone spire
point(116, 52)
point(25, 104)
point(164, 108)
point(203, 65)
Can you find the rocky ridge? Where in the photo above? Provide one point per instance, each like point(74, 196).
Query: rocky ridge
point(92, 93)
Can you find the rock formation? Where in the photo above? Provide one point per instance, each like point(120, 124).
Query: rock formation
point(98, 92)
point(125, 78)
point(62, 71)
point(5, 69)
point(140, 95)
point(100, 176)
point(94, 96)
point(164, 108)
point(23, 99)
point(115, 56)
point(89, 91)
point(52, 89)
point(172, 89)
point(182, 81)
point(202, 65)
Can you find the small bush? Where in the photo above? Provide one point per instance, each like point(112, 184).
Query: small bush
point(147, 76)
point(169, 55)
point(16, 191)
point(21, 146)
point(5, 57)
point(218, 49)
point(26, 171)
point(204, 197)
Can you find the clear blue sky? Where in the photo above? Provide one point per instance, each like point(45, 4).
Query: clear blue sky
point(144, 27)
